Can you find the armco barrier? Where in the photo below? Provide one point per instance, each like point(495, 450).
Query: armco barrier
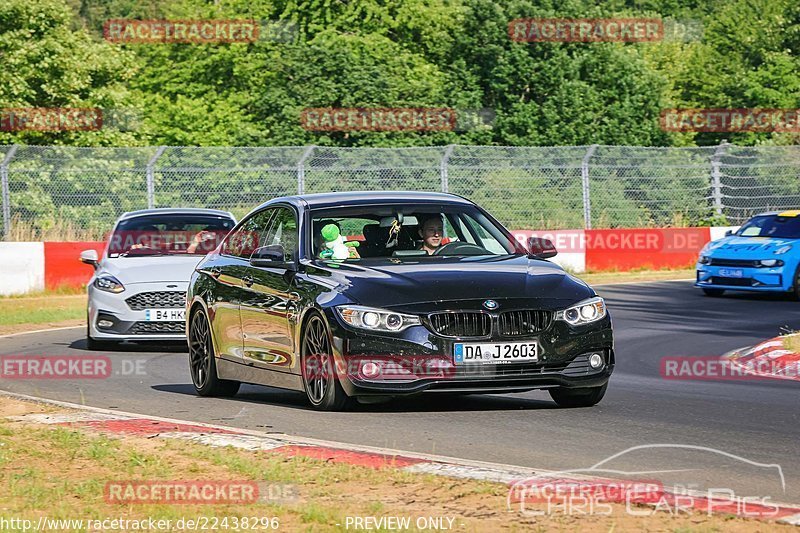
point(657, 248)
point(61, 264)
point(21, 267)
point(35, 266)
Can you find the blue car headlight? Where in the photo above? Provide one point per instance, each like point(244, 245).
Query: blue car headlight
point(704, 260)
point(769, 262)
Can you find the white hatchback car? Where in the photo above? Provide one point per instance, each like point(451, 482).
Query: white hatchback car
point(138, 291)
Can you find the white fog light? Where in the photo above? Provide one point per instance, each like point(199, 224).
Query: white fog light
point(595, 360)
point(370, 369)
point(104, 323)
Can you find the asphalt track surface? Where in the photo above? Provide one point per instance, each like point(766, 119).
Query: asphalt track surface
point(754, 421)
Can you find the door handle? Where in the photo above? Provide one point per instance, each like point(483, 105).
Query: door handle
point(248, 280)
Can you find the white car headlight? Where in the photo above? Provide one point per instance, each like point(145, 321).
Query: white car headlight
point(376, 319)
point(109, 284)
point(584, 312)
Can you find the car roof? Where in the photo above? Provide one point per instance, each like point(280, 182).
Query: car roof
point(330, 199)
point(176, 211)
point(785, 213)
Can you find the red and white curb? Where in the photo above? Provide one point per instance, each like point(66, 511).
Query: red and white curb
point(769, 355)
point(113, 422)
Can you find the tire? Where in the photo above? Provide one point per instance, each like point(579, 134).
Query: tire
point(322, 387)
point(203, 363)
point(714, 292)
point(578, 397)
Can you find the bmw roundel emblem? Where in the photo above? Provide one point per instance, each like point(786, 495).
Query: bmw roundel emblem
point(490, 304)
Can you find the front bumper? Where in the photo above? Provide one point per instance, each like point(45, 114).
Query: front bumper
point(132, 324)
point(775, 279)
point(417, 360)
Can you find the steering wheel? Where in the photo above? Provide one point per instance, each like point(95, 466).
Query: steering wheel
point(460, 248)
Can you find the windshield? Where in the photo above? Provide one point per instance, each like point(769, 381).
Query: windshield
point(398, 231)
point(776, 226)
point(178, 234)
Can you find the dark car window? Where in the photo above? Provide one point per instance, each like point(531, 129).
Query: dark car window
point(168, 234)
point(283, 232)
point(247, 237)
point(781, 227)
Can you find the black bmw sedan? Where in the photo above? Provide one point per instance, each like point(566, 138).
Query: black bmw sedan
point(371, 295)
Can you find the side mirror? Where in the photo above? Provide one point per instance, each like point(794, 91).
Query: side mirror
point(728, 233)
point(541, 248)
point(273, 256)
point(90, 258)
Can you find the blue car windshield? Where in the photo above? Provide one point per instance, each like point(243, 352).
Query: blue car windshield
point(776, 226)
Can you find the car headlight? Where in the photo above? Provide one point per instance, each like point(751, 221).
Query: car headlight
point(704, 260)
point(376, 319)
point(584, 312)
point(109, 284)
point(783, 249)
point(770, 262)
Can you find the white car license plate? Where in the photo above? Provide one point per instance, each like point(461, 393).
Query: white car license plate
point(164, 315)
point(731, 272)
point(496, 353)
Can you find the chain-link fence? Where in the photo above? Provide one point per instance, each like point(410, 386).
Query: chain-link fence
point(58, 192)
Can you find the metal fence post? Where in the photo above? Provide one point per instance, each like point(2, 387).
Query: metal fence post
point(443, 167)
point(6, 193)
point(587, 200)
point(716, 177)
point(151, 184)
point(301, 169)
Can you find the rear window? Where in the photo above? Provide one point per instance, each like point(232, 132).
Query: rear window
point(176, 234)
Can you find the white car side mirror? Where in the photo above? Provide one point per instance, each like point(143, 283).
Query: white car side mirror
point(90, 258)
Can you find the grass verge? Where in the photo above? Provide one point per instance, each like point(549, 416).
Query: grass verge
point(791, 342)
point(596, 278)
point(42, 311)
point(61, 473)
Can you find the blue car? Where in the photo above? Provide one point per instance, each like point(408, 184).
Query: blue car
point(762, 255)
